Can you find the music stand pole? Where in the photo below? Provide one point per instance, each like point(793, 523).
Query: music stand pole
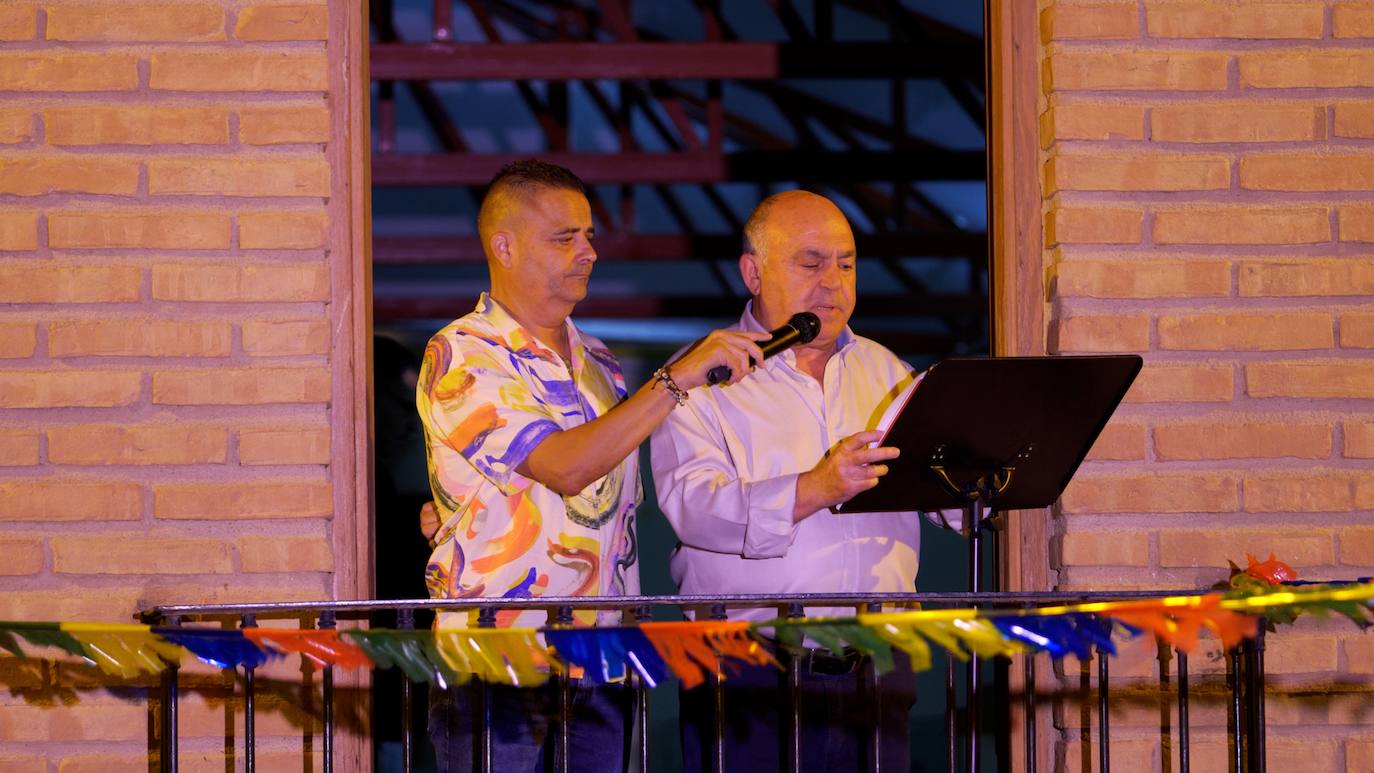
point(973, 520)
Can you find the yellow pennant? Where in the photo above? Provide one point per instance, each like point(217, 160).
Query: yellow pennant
point(503, 655)
point(905, 639)
point(124, 650)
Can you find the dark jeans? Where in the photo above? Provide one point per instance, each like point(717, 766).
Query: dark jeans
point(836, 709)
point(524, 730)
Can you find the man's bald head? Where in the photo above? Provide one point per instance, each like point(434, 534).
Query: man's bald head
point(512, 187)
point(799, 256)
point(756, 227)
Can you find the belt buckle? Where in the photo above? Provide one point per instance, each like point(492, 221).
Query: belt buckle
point(822, 661)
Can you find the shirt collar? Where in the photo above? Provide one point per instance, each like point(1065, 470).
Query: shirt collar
point(516, 338)
point(747, 321)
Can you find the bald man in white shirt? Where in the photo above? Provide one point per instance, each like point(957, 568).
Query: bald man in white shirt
point(747, 473)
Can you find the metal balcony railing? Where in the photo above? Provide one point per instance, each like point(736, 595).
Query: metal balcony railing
point(1244, 680)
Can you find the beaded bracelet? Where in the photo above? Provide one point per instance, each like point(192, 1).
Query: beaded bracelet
point(676, 392)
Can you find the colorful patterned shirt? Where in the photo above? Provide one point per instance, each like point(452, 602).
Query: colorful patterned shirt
point(489, 392)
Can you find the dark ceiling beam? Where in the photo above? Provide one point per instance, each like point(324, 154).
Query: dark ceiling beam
point(403, 169)
point(734, 60)
point(420, 250)
point(396, 307)
point(593, 168)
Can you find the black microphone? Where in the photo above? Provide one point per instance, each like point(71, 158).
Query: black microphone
point(802, 328)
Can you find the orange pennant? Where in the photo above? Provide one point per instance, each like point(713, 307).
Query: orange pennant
point(694, 649)
point(324, 647)
point(1179, 625)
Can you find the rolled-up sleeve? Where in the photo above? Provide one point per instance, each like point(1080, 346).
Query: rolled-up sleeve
point(701, 493)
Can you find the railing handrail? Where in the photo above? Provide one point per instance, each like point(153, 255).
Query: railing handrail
point(361, 608)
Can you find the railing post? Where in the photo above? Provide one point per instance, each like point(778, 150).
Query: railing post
point(169, 712)
point(951, 715)
point(1166, 746)
point(562, 760)
point(405, 621)
point(327, 623)
point(873, 684)
point(642, 613)
point(717, 706)
point(1235, 711)
point(1256, 671)
point(1104, 756)
point(1183, 755)
point(250, 715)
point(1028, 707)
point(481, 747)
point(794, 611)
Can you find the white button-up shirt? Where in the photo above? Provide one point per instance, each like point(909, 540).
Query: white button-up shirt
point(726, 464)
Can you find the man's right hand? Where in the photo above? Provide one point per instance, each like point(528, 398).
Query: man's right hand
point(850, 467)
point(732, 348)
point(429, 521)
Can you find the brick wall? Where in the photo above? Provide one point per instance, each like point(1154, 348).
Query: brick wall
point(1208, 182)
point(172, 237)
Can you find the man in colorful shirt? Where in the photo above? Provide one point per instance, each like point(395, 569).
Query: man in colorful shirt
point(532, 438)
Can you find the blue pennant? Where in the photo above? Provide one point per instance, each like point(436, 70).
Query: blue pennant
point(604, 653)
point(1076, 633)
point(1054, 635)
point(1098, 630)
point(218, 647)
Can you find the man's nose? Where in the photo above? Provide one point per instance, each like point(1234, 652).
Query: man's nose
point(832, 277)
point(585, 250)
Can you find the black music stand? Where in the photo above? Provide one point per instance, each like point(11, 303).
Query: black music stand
point(994, 433)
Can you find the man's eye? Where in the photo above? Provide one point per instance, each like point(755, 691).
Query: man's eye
point(810, 266)
point(846, 266)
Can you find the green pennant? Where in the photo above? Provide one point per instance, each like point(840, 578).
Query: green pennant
point(836, 635)
point(411, 651)
point(52, 637)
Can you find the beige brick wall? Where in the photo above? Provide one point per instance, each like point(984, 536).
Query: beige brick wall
point(174, 250)
point(1207, 180)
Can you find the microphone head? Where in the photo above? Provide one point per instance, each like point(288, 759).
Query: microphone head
point(807, 325)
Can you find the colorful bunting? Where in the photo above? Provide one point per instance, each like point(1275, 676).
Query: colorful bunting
point(1272, 570)
point(414, 652)
point(837, 635)
point(692, 650)
point(45, 635)
point(905, 639)
point(218, 647)
point(1060, 635)
point(605, 654)
point(124, 650)
point(500, 655)
point(323, 646)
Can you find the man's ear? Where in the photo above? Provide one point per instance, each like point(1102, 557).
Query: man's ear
point(500, 244)
point(749, 270)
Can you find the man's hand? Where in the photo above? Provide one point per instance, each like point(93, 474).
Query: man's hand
point(429, 522)
point(734, 348)
point(850, 467)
